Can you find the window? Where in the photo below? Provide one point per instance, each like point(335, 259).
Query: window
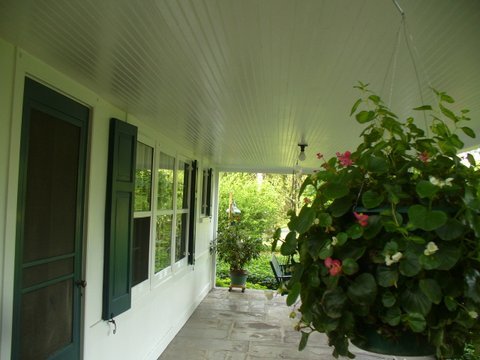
point(165, 183)
point(163, 208)
point(207, 192)
point(173, 211)
point(143, 213)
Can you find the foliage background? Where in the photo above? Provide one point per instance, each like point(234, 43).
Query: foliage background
point(264, 200)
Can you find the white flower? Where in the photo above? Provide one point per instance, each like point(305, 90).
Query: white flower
point(316, 221)
point(433, 180)
point(392, 259)
point(397, 256)
point(473, 314)
point(448, 182)
point(430, 249)
point(440, 183)
point(414, 171)
point(334, 241)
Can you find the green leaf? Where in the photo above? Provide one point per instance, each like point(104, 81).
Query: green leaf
point(446, 98)
point(306, 182)
point(333, 302)
point(424, 107)
point(349, 266)
point(290, 244)
point(452, 230)
point(471, 159)
point(334, 190)
point(448, 113)
point(377, 164)
point(341, 238)
point(371, 199)
point(413, 300)
point(350, 250)
point(375, 225)
point(388, 299)
point(293, 294)
point(324, 219)
point(409, 264)
point(375, 99)
point(304, 220)
point(425, 189)
point(363, 290)
point(390, 247)
point(416, 322)
point(277, 233)
point(340, 206)
point(313, 278)
point(472, 281)
point(355, 106)
point(365, 116)
point(469, 132)
point(303, 340)
point(387, 275)
point(450, 303)
point(448, 255)
point(392, 316)
point(416, 239)
point(426, 219)
point(355, 231)
point(429, 262)
point(431, 289)
point(325, 251)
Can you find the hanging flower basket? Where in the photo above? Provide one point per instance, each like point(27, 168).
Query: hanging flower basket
point(390, 239)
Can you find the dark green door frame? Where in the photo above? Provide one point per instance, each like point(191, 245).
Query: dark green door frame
point(45, 269)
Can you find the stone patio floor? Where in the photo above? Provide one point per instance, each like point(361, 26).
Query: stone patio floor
point(246, 326)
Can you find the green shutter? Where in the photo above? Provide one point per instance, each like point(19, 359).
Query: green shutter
point(193, 206)
point(119, 219)
point(208, 210)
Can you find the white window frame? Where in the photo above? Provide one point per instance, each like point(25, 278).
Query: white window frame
point(144, 286)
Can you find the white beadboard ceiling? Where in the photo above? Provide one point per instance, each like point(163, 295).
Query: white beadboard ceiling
point(241, 82)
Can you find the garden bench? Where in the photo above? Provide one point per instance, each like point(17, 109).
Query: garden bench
point(281, 272)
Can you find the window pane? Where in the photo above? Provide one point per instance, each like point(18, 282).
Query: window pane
point(165, 182)
point(181, 236)
point(143, 177)
point(183, 177)
point(163, 242)
point(141, 237)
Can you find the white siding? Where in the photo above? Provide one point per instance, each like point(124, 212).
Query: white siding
point(158, 309)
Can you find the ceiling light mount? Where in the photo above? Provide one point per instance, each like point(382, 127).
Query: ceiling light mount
point(302, 155)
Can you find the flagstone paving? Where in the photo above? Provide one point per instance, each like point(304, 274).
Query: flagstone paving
point(247, 326)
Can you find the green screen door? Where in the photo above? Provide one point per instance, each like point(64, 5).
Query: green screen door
point(48, 278)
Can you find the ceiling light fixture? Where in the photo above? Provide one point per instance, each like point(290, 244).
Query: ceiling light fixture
point(302, 155)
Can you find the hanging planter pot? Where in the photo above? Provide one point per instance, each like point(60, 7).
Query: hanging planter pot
point(405, 343)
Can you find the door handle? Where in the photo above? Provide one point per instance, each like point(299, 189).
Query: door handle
point(81, 283)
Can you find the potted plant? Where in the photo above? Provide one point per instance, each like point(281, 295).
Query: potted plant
point(388, 245)
point(236, 248)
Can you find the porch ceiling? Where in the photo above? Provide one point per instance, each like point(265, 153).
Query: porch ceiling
point(243, 81)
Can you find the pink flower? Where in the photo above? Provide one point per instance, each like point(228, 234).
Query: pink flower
point(334, 266)
point(361, 218)
point(345, 158)
point(319, 156)
point(424, 157)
